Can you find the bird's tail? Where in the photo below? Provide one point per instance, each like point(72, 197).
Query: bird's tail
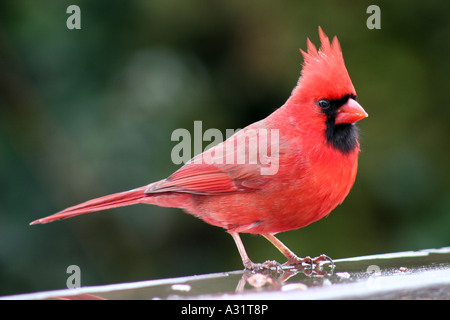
point(107, 202)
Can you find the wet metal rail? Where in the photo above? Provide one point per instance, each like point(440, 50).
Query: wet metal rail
point(421, 274)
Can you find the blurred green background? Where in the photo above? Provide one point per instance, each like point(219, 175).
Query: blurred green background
point(88, 112)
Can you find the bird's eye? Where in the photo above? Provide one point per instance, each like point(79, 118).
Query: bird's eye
point(324, 104)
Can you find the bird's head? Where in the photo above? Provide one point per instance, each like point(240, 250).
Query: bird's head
point(325, 93)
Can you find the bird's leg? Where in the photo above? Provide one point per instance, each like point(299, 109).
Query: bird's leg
point(249, 264)
point(245, 259)
point(292, 258)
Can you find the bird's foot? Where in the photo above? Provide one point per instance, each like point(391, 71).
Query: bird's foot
point(267, 265)
point(310, 265)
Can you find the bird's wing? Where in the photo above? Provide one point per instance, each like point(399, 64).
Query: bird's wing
point(244, 162)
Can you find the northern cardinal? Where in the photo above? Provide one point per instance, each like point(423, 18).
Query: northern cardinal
point(315, 148)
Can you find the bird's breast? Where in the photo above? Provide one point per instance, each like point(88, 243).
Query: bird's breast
point(303, 191)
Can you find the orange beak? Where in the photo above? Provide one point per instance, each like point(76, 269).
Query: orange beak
point(350, 112)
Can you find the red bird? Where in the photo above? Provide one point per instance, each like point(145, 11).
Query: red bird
point(308, 167)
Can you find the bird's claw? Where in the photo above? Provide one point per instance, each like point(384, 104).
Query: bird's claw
point(267, 265)
point(310, 265)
